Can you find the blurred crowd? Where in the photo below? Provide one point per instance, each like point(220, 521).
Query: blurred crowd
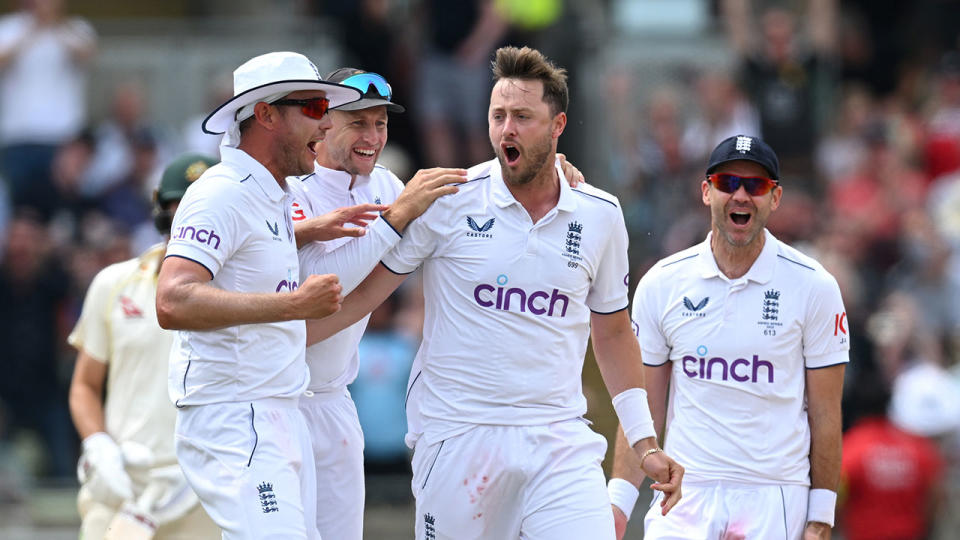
point(862, 107)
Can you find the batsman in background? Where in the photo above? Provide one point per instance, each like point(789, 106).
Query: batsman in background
point(128, 437)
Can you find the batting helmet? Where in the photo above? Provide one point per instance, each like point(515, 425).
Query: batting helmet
point(177, 177)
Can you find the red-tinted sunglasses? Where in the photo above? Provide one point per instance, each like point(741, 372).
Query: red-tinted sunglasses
point(730, 183)
point(314, 107)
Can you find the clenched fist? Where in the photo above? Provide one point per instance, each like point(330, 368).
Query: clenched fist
point(318, 296)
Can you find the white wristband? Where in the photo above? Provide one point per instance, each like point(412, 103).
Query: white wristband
point(820, 506)
point(623, 495)
point(634, 414)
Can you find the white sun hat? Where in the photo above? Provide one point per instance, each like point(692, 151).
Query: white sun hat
point(274, 74)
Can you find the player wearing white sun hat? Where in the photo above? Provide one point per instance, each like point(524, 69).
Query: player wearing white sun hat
point(230, 283)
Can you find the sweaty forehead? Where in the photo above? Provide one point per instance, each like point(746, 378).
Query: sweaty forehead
point(517, 93)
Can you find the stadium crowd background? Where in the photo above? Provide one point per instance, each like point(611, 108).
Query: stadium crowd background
point(860, 98)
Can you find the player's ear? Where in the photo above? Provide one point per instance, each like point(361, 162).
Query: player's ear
point(559, 123)
point(705, 192)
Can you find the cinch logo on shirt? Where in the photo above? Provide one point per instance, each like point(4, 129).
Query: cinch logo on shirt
point(188, 232)
point(536, 302)
point(740, 370)
point(288, 286)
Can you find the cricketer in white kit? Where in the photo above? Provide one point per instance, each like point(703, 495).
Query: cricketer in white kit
point(230, 284)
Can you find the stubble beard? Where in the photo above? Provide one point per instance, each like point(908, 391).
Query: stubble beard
point(539, 155)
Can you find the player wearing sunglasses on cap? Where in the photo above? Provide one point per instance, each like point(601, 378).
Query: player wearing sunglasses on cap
point(750, 337)
point(346, 174)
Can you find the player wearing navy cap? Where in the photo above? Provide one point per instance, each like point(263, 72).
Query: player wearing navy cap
point(750, 337)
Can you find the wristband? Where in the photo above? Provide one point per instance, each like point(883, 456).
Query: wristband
point(623, 495)
point(820, 506)
point(634, 414)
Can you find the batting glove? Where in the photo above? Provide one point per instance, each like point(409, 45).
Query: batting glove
point(101, 470)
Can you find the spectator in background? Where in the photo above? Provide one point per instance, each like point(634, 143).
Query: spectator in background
point(120, 137)
point(784, 76)
point(33, 288)
point(891, 482)
point(722, 112)
point(43, 65)
point(454, 81)
point(942, 146)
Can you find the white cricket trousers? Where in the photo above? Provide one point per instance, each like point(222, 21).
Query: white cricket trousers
point(513, 482)
point(251, 465)
point(338, 457)
point(730, 510)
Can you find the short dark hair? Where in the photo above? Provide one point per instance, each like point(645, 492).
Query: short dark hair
point(531, 64)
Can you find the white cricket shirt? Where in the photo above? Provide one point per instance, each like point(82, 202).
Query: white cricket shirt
point(740, 349)
point(508, 302)
point(333, 362)
point(118, 327)
point(235, 221)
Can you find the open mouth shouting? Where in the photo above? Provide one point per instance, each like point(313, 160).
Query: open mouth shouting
point(312, 147)
point(511, 153)
point(741, 218)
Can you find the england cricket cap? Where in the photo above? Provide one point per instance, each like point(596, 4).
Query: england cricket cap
point(745, 147)
point(179, 174)
point(271, 74)
point(376, 90)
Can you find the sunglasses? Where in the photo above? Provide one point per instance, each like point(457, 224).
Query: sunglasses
point(730, 183)
point(363, 81)
point(314, 107)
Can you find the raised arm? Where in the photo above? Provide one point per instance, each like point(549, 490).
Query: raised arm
point(824, 387)
point(618, 357)
point(187, 301)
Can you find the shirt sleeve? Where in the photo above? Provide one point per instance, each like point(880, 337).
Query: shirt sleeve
point(92, 331)
point(608, 291)
point(826, 333)
point(418, 243)
point(646, 322)
point(205, 229)
point(351, 261)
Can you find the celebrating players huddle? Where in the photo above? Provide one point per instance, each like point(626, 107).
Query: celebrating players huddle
point(731, 356)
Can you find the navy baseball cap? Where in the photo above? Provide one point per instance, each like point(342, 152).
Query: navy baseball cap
point(745, 147)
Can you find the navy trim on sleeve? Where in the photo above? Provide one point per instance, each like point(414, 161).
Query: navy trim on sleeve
point(610, 312)
point(387, 221)
point(822, 367)
point(395, 272)
point(192, 260)
point(246, 178)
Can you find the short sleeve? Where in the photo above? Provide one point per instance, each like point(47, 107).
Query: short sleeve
point(418, 243)
point(646, 322)
point(92, 331)
point(826, 332)
point(608, 291)
point(205, 229)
